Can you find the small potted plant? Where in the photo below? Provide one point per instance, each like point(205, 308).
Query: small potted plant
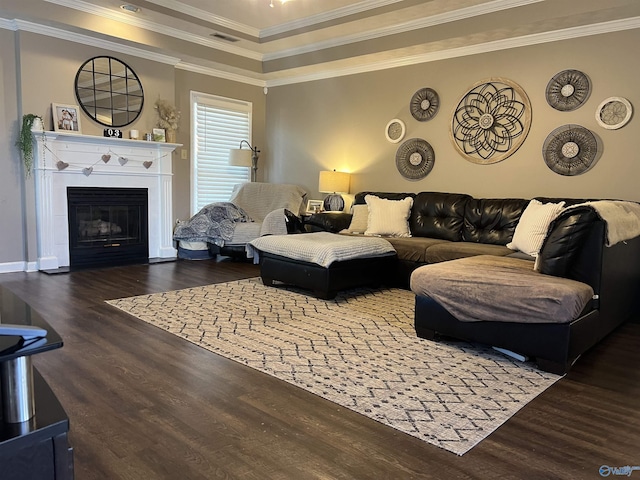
point(30, 123)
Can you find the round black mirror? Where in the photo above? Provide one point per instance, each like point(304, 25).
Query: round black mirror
point(109, 91)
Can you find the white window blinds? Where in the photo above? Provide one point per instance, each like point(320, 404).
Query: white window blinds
point(219, 124)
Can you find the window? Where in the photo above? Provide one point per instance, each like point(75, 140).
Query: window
point(218, 125)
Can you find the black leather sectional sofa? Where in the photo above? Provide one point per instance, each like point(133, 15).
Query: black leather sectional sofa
point(448, 226)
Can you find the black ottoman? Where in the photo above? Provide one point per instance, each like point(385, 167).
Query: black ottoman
point(305, 261)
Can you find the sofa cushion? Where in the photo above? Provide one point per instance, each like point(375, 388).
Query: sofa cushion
point(533, 226)
point(438, 215)
point(443, 252)
point(492, 220)
point(487, 288)
point(359, 219)
point(388, 217)
point(414, 249)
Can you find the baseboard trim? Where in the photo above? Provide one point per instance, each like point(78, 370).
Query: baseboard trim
point(13, 267)
point(10, 267)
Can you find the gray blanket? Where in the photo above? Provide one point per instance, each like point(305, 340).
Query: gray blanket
point(320, 248)
point(621, 217)
point(214, 223)
point(500, 289)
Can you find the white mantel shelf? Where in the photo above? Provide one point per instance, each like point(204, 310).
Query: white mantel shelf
point(77, 137)
point(64, 160)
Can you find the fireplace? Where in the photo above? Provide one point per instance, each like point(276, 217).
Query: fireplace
point(107, 226)
point(66, 161)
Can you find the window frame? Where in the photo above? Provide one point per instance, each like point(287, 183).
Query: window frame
point(236, 106)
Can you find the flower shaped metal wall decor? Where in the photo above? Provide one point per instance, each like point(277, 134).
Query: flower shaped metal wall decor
point(491, 121)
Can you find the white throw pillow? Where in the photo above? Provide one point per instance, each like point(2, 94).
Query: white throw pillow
point(533, 226)
point(388, 217)
point(360, 218)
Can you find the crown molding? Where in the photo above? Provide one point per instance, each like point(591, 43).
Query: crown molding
point(523, 41)
point(262, 80)
point(425, 22)
point(356, 8)
point(7, 24)
point(156, 27)
point(94, 42)
point(214, 72)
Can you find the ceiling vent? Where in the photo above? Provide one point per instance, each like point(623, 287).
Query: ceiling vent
point(224, 37)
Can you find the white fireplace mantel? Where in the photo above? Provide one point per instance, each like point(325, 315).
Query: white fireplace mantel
point(71, 160)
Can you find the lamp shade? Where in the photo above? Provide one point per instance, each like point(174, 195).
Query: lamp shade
point(240, 157)
point(333, 182)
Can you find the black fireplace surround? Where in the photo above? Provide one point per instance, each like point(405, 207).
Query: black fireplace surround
point(107, 226)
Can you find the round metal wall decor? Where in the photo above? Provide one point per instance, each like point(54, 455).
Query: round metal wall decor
point(491, 121)
point(415, 159)
point(109, 91)
point(424, 104)
point(567, 90)
point(395, 130)
point(570, 150)
point(614, 113)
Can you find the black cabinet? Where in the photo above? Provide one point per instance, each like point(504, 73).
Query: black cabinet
point(37, 449)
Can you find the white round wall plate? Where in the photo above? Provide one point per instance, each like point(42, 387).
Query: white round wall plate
point(395, 130)
point(614, 113)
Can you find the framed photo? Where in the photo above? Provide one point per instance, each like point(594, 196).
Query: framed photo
point(66, 118)
point(314, 206)
point(158, 135)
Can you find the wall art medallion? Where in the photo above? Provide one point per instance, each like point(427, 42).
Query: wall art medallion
point(570, 150)
point(415, 159)
point(395, 130)
point(424, 104)
point(568, 90)
point(491, 121)
point(614, 113)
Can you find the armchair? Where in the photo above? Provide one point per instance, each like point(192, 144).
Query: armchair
point(253, 210)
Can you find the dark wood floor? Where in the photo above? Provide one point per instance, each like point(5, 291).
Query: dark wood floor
point(145, 404)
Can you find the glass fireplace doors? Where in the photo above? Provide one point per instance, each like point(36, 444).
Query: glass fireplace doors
point(107, 226)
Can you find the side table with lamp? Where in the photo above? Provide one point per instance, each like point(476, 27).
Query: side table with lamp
point(332, 219)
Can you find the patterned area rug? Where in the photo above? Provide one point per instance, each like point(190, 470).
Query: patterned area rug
point(358, 350)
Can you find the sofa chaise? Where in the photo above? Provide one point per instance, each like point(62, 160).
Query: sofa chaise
point(576, 263)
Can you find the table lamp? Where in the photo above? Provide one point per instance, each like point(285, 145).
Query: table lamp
point(334, 183)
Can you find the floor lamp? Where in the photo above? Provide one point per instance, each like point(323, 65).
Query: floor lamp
point(240, 157)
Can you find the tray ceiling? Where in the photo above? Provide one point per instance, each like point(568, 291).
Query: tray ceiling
point(254, 42)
